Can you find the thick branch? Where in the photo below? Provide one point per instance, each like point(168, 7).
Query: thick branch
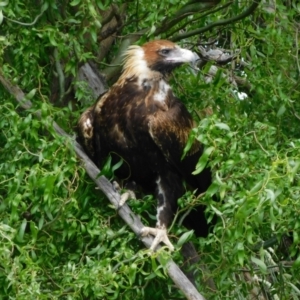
point(241, 16)
point(106, 187)
point(108, 30)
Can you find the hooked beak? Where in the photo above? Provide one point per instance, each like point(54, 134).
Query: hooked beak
point(184, 56)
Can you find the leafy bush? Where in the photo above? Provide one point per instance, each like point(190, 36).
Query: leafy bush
point(60, 238)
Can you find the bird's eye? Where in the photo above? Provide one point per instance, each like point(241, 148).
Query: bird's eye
point(165, 51)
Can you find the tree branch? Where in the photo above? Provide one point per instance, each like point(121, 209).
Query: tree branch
point(241, 16)
point(111, 71)
point(178, 277)
point(199, 17)
point(184, 12)
point(43, 9)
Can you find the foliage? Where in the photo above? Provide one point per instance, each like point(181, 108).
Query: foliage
point(59, 238)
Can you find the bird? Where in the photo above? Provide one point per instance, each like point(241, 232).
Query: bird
point(140, 120)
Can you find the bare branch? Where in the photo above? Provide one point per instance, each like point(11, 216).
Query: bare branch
point(184, 12)
point(43, 9)
point(96, 82)
point(112, 27)
point(200, 17)
point(220, 56)
point(178, 277)
point(241, 16)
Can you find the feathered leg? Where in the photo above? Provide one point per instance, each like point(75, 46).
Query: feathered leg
point(169, 189)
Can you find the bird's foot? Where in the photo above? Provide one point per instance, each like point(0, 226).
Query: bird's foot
point(129, 194)
point(160, 234)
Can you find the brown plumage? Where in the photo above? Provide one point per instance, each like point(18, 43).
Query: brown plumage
point(140, 120)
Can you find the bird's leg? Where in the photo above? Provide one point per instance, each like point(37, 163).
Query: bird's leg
point(167, 203)
point(129, 194)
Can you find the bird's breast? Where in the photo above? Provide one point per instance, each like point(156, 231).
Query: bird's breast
point(156, 94)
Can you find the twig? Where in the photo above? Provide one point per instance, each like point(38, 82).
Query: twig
point(297, 50)
point(44, 7)
point(178, 277)
point(60, 74)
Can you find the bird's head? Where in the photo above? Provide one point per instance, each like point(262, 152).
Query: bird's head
point(159, 56)
point(163, 56)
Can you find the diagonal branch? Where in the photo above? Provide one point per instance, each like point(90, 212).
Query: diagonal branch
point(180, 280)
point(241, 16)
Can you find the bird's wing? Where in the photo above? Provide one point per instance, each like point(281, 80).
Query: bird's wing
point(85, 128)
point(170, 133)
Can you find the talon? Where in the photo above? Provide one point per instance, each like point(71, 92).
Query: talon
point(125, 196)
point(116, 186)
point(160, 236)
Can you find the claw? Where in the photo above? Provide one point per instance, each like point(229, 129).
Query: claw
point(160, 236)
point(125, 196)
point(116, 186)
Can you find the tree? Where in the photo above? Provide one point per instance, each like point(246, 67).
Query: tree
point(60, 238)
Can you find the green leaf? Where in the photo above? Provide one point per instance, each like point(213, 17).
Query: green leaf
point(203, 160)
point(295, 237)
point(189, 144)
point(281, 110)
point(3, 4)
point(241, 253)
point(93, 33)
point(100, 4)
point(21, 232)
point(33, 231)
point(213, 189)
point(222, 126)
point(262, 266)
point(44, 6)
point(270, 195)
point(294, 288)
point(106, 169)
point(217, 212)
point(185, 237)
point(152, 29)
point(257, 187)
point(117, 165)
point(132, 273)
point(73, 21)
point(296, 263)
point(75, 2)
point(52, 39)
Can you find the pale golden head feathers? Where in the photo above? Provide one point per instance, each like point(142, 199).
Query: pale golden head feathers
point(154, 60)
